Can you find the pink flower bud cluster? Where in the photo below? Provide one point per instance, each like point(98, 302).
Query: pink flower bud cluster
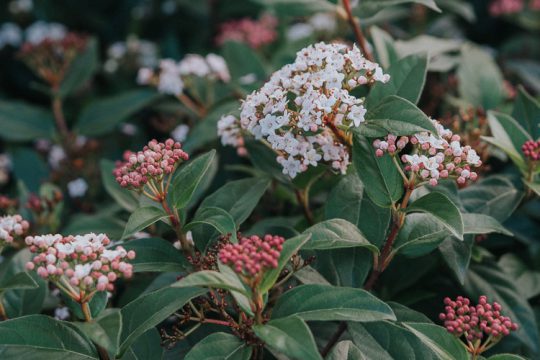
point(505, 7)
point(475, 322)
point(531, 150)
point(303, 111)
point(255, 33)
point(435, 157)
point(83, 261)
point(153, 162)
point(12, 226)
point(252, 255)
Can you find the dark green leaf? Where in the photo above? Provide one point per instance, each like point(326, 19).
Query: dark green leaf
point(219, 346)
point(527, 113)
point(368, 8)
point(188, 178)
point(102, 116)
point(298, 7)
point(24, 122)
point(335, 234)
point(157, 255)
point(104, 330)
point(214, 279)
point(419, 235)
point(242, 60)
point(290, 337)
point(483, 224)
point(146, 347)
point(443, 344)
point(143, 217)
point(526, 280)
point(216, 217)
point(39, 336)
point(21, 280)
point(97, 304)
point(328, 303)
point(345, 350)
point(457, 255)
point(442, 208)
point(81, 70)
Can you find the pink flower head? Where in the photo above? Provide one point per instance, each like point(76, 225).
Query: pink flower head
point(434, 156)
point(82, 263)
point(156, 160)
point(12, 226)
point(505, 7)
point(531, 150)
point(478, 322)
point(252, 255)
point(255, 33)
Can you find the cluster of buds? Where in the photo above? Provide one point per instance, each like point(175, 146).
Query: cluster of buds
point(475, 323)
point(51, 57)
point(230, 132)
point(255, 33)
point(156, 160)
point(172, 77)
point(435, 156)
point(79, 264)
point(252, 255)
point(531, 150)
point(305, 108)
point(12, 226)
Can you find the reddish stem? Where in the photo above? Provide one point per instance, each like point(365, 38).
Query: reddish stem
point(359, 35)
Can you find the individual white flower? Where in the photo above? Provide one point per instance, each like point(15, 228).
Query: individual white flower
point(472, 157)
point(56, 155)
point(82, 270)
point(291, 166)
point(180, 133)
point(61, 313)
point(77, 188)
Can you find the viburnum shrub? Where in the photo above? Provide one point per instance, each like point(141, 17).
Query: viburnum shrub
point(269, 180)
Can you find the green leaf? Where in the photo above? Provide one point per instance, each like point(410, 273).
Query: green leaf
point(483, 224)
point(242, 60)
point(298, 7)
point(394, 115)
point(444, 345)
point(216, 217)
point(506, 357)
point(384, 46)
point(526, 280)
point(335, 234)
point(480, 81)
point(214, 279)
point(146, 347)
point(527, 113)
point(97, 304)
point(459, 7)
point(219, 346)
point(238, 197)
point(101, 116)
point(24, 122)
point(345, 350)
point(457, 255)
point(142, 218)
point(382, 181)
point(489, 279)
point(419, 235)
point(81, 69)
point(508, 135)
point(29, 168)
point(290, 337)
point(290, 247)
point(19, 281)
point(104, 330)
point(156, 255)
point(534, 187)
point(123, 197)
point(368, 8)
point(39, 336)
point(188, 178)
point(407, 78)
point(442, 208)
point(147, 311)
point(329, 303)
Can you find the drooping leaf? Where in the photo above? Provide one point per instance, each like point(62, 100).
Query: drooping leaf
point(407, 78)
point(219, 346)
point(442, 208)
point(335, 234)
point(156, 255)
point(102, 116)
point(149, 310)
point(143, 217)
point(328, 303)
point(24, 122)
point(188, 178)
point(289, 336)
point(40, 336)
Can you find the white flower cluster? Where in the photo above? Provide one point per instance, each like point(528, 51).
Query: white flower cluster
point(12, 34)
point(132, 52)
point(305, 107)
point(172, 75)
point(231, 134)
point(12, 226)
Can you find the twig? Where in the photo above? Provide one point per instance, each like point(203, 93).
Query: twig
point(359, 35)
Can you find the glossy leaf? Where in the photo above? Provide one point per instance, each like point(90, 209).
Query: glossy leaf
point(143, 217)
point(146, 347)
point(214, 279)
point(442, 208)
point(483, 224)
point(219, 346)
point(335, 234)
point(24, 122)
point(104, 330)
point(527, 113)
point(444, 345)
point(156, 255)
point(216, 217)
point(329, 303)
point(290, 337)
point(19, 281)
point(345, 350)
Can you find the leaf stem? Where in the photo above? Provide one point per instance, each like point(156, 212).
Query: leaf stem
point(86, 311)
point(303, 200)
